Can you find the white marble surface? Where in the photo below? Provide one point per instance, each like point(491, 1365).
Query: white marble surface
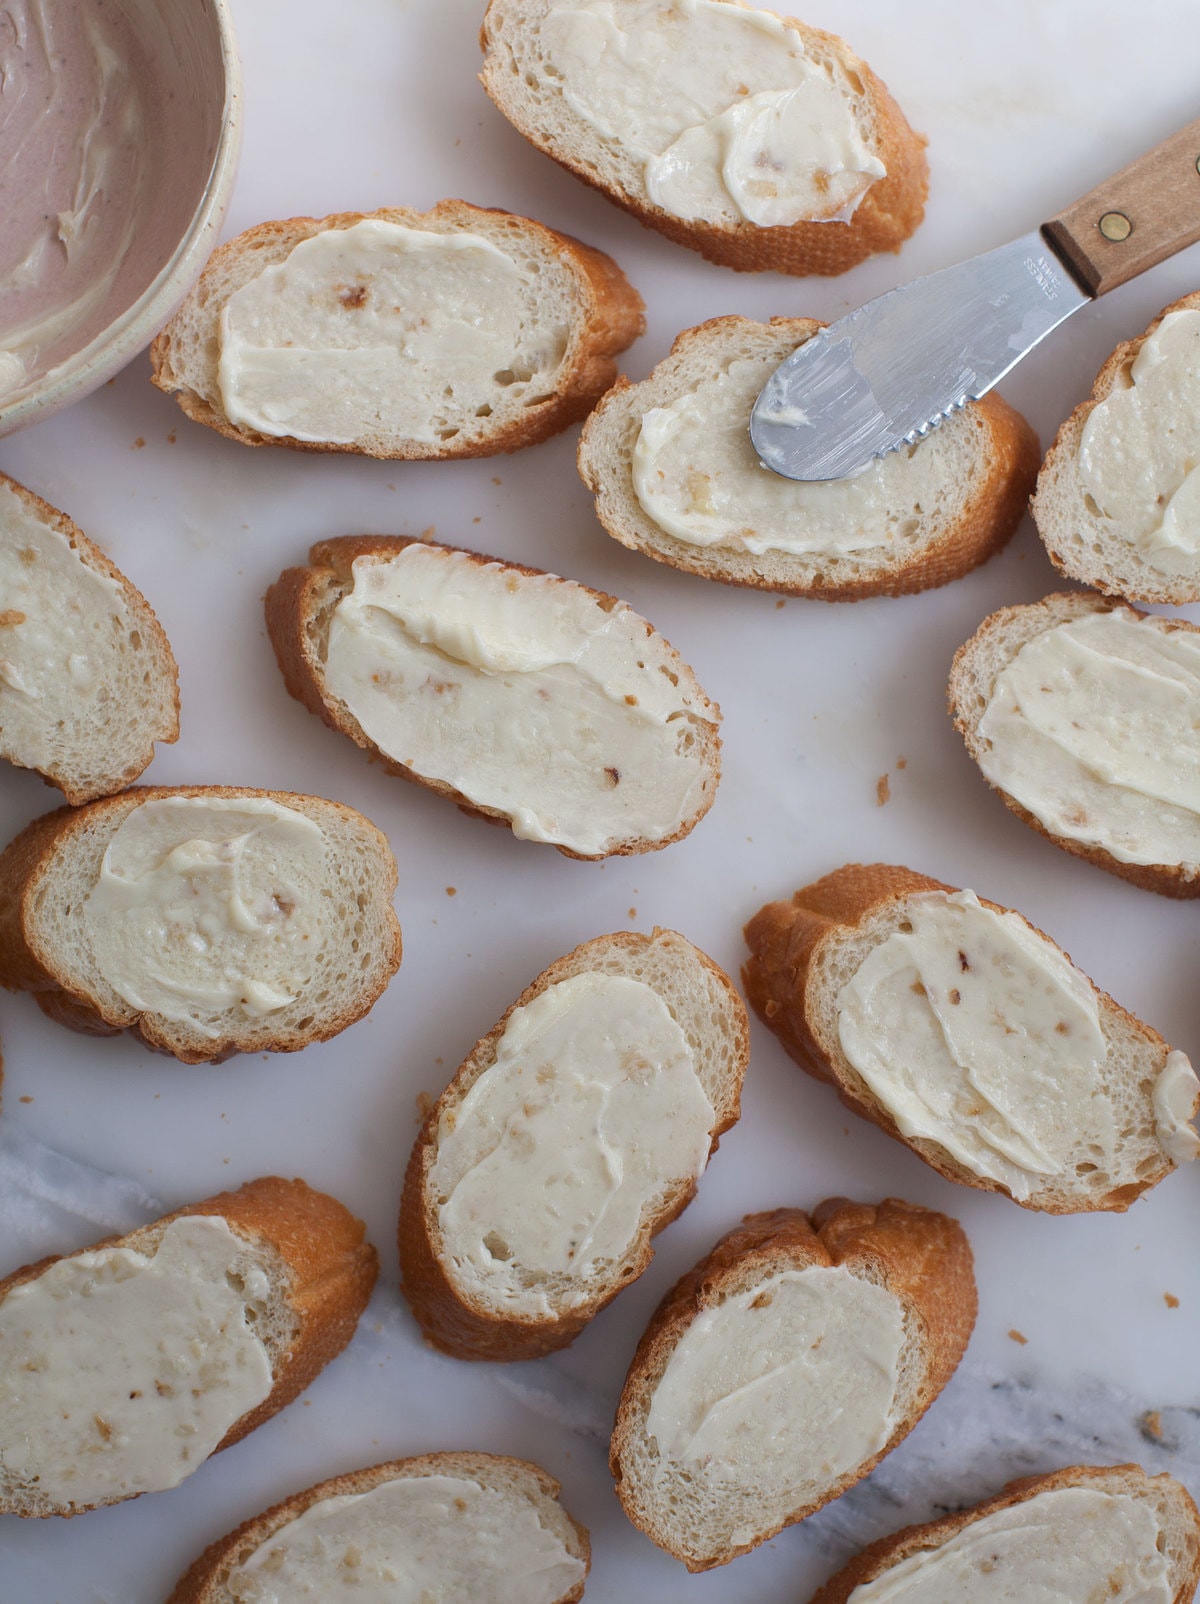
point(375, 102)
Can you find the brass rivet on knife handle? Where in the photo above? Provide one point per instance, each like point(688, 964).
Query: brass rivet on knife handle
point(1135, 220)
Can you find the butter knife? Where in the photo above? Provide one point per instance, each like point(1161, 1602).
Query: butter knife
point(887, 374)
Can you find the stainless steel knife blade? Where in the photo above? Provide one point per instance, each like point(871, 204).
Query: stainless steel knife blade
point(887, 374)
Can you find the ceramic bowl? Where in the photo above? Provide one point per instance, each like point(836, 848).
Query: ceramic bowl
point(122, 123)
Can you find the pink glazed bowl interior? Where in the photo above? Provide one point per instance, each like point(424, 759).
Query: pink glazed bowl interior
point(119, 132)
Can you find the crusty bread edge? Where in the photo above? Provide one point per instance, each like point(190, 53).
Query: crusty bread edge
point(333, 1270)
point(926, 1263)
point(889, 212)
point(931, 1535)
point(300, 605)
point(204, 1582)
point(991, 512)
point(143, 616)
point(28, 965)
point(612, 317)
point(460, 1326)
point(1169, 880)
point(1059, 466)
point(785, 939)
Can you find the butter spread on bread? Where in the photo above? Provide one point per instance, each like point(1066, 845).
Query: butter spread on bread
point(574, 1131)
point(1092, 727)
point(383, 318)
point(963, 1031)
point(729, 117)
point(797, 1370)
point(206, 904)
point(590, 1110)
point(1066, 1543)
point(976, 1032)
point(780, 1369)
point(409, 1540)
point(675, 476)
point(122, 1370)
point(87, 679)
point(204, 919)
point(697, 475)
point(54, 609)
point(1139, 450)
point(457, 332)
point(529, 695)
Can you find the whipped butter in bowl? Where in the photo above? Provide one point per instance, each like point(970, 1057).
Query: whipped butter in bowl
point(118, 143)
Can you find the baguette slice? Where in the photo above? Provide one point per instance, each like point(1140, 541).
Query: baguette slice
point(893, 1265)
point(1143, 451)
point(834, 230)
point(302, 1273)
point(322, 943)
point(1151, 842)
point(477, 662)
point(570, 307)
point(917, 518)
point(517, 1492)
point(806, 951)
point(497, 1304)
point(87, 679)
point(1166, 1501)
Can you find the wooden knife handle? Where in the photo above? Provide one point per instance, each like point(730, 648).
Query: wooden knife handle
point(1133, 221)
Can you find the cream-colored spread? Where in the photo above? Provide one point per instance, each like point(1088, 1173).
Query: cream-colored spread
point(1092, 727)
point(1139, 451)
point(1071, 1544)
point(793, 1380)
point(121, 1371)
point(729, 118)
point(1175, 1093)
point(56, 632)
point(380, 329)
point(75, 176)
point(416, 1540)
point(547, 1166)
point(209, 906)
point(698, 477)
point(525, 693)
point(977, 1033)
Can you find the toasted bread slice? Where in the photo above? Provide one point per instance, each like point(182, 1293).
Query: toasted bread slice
point(1053, 696)
point(459, 332)
point(205, 920)
point(1081, 1533)
point(676, 113)
point(837, 1331)
point(1116, 503)
point(964, 1032)
point(88, 683)
point(527, 699)
point(675, 476)
point(630, 1051)
point(127, 1364)
point(477, 1528)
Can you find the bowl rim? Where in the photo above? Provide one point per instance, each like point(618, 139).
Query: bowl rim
point(129, 333)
